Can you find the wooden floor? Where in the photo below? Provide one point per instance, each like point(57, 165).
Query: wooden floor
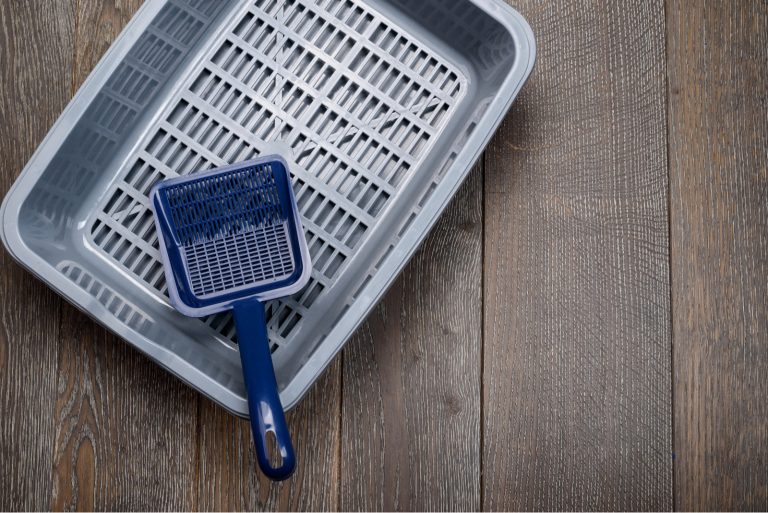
point(586, 328)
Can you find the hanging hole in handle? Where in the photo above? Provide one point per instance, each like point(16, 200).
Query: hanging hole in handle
point(273, 451)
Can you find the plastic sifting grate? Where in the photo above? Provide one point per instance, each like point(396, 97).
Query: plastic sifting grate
point(356, 99)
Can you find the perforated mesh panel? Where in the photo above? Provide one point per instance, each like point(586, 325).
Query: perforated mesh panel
point(356, 99)
point(232, 229)
point(259, 256)
point(224, 204)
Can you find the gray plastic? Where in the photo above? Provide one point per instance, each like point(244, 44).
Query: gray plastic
point(379, 107)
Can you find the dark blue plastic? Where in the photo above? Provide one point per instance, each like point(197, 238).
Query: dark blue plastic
point(220, 215)
point(263, 401)
point(229, 190)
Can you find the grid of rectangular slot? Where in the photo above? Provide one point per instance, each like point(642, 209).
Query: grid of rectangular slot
point(224, 263)
point(119, 307)
point(114, 110)
point(123, 227)
point(358, 102)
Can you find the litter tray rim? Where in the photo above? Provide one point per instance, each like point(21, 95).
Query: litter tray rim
point(525, 48)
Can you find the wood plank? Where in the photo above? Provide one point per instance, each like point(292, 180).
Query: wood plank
point(411, 385)
point(229, 475)
point(577, 372)
point(718, 132)
point(35, 41)
point(126, 431)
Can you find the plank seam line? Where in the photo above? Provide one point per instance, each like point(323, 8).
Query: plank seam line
point(198, 449)
point(54, 403)
point(75, 43)
point(482, 330)
point(340, 431)
point(671, 334)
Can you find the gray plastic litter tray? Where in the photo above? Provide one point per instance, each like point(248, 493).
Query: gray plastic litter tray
point(380, 108)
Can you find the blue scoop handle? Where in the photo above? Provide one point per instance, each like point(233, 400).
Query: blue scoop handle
point(264, 405)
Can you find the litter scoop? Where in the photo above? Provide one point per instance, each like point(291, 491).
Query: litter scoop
point(232, 238)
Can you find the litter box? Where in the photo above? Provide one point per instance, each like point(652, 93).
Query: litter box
point(379, 107)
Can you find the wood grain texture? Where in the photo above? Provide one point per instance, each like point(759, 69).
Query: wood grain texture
point(411, 396)
point(718, 132)
point(229, 479)
point(577, 377)
point(567, 402)
point(35, 41)
point(126, 430)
